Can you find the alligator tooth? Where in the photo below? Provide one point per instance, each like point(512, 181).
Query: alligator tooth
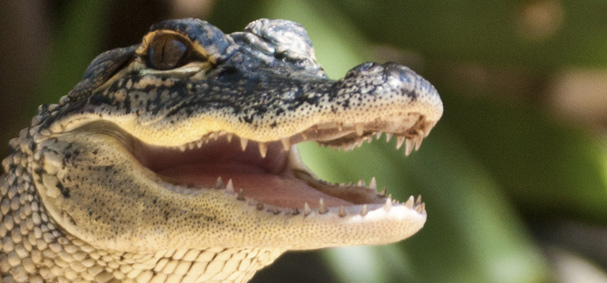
point(240, 195)
point(418, 201)
point(359, 128)
point(429, 127)
point(378, 135)
point(219, 183)
point(199, 144)
point(230, 186)
point(409, 146)
point(263, 149)
point(409, 203)
point(243, 143)
point(383, 192)
point(182, 147)
point(418, 141)
point(303, 135)
point(388, 204)
point(229, 136)
point(45, 132)
point(307, 209)
point(364, 211)
point(399, 141)
point(421, 208)
point(388, 137)
point(373, 184)
point(342, 212)
point(340, 126)
point(421, 133)
point(286, 143)
point(259, 206)
point(177, 189)
point(361, 183)
point(215, 135)
point(322, 208)
point(315, 129)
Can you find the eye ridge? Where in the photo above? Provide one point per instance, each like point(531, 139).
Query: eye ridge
point(169, 51)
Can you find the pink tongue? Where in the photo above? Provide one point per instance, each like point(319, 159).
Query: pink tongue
point(277, 190)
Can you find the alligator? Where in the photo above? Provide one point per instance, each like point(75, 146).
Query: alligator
point(175, 160)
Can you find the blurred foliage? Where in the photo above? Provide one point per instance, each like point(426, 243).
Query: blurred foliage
point(496, 174)
point(494, 32)
point(76, 40)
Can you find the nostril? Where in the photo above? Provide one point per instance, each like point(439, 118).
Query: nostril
point(392, 64)
point(397, 69)
point(401, 73)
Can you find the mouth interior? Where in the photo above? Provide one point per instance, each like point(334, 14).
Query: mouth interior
point(270, 173)
point(270, 180)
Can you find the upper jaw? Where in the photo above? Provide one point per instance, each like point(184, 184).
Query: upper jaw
point(371, 98)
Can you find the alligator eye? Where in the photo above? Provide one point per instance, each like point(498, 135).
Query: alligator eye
point(168, 52)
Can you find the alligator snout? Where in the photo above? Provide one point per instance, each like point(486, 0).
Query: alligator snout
point(391, 77)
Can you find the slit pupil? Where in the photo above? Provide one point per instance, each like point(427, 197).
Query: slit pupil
point(168, 52)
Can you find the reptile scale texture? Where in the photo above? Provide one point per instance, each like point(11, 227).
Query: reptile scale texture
point(174, 160)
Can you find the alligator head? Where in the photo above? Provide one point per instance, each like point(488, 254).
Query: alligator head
point(187, 142)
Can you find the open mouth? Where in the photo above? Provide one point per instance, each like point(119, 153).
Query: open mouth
point(271, 176)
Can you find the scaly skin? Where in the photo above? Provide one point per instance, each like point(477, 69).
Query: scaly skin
point(174, 160)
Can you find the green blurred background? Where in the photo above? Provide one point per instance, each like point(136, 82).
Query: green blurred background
point(514, 176)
